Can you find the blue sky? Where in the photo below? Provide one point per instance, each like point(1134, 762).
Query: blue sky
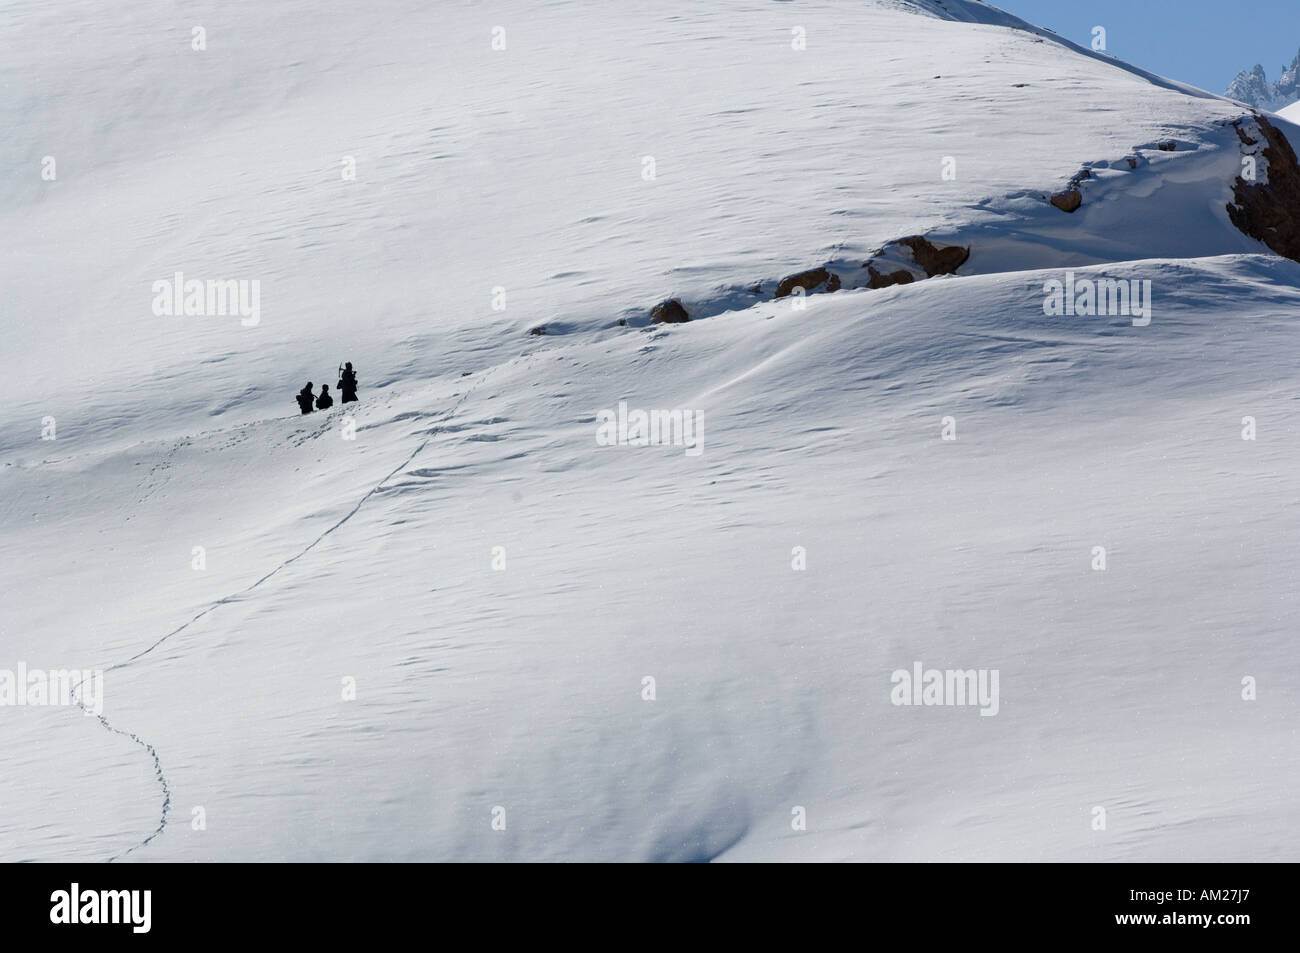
point(1202, 42)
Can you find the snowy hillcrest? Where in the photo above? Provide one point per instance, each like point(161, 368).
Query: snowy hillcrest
point(986, 347)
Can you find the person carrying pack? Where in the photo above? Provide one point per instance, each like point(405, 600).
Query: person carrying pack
point(305, 399)
point(348, 383)
point(324, 401)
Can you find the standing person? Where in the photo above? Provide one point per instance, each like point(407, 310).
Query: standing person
point(324, 401)
point(306, 398)
point(348, 383)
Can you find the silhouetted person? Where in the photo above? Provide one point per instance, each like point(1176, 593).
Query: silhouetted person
point(306, 398)
point(324, 401)
point(348, 383)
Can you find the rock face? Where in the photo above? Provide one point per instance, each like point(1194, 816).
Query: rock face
point(808, 280)
point(669, 312)
point(1268, 209)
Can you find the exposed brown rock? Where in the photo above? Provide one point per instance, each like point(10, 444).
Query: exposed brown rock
point(1270, 212)
point(539, 329)
point(928, 257)
point(879, 280)
point(1071, 198)
point(1167, 146)
point(669, 312)
point(935, 260)
point(1068, 201)
point(807, 280)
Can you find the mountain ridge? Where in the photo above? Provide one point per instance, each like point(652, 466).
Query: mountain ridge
point(1254, 88)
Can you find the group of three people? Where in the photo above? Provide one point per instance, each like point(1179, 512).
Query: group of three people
point(347, 385)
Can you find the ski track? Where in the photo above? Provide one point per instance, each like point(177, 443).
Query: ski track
point(439, 427)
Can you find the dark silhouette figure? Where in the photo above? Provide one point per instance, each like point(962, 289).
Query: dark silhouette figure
point(324, 401)
point(305, 399)
point(348, 383)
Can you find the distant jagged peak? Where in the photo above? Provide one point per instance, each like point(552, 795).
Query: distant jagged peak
point(1253, 87)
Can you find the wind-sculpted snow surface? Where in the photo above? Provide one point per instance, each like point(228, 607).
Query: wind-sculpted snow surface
point(989, 564)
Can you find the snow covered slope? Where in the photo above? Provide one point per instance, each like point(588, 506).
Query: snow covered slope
point(521, 168)
point(496, 583)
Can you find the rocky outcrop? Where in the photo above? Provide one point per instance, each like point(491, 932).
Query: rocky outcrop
point(1068, 201)
point(882, 280)
point(900, 262)
point(933, 259)
point(1071, 199)
point(913, 258)
point(669, 312)
point(809, 281)
point(1267, 208)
